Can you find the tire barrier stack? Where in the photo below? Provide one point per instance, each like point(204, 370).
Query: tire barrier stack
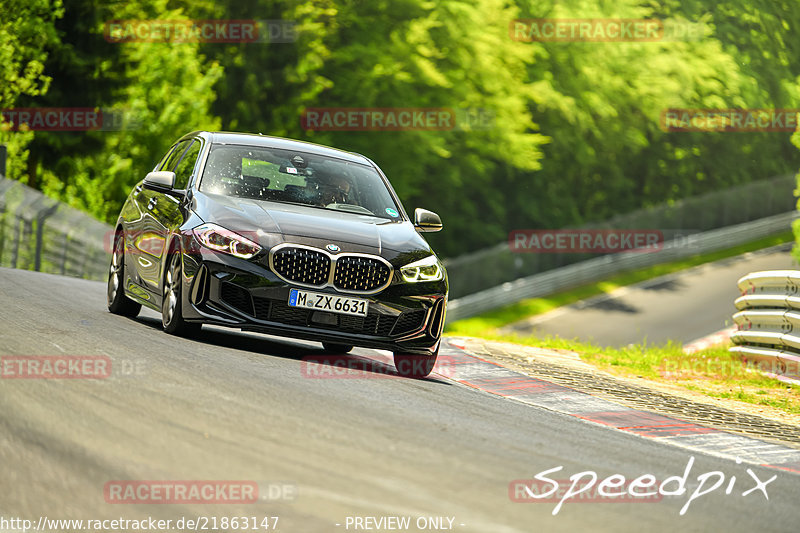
point(768, 323)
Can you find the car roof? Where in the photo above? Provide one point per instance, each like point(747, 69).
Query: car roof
point(267, 141)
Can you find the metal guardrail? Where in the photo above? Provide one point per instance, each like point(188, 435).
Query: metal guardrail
point(490, 267)
point(768, 323)
point(39, 233)
point(601, 267)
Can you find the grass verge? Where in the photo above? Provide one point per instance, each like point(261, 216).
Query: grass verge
point(713, 372)
point(535, 306)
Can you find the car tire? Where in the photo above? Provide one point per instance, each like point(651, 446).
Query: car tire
point(118, 303)
point(332, 347)
point(414, 365)
point(171, 309)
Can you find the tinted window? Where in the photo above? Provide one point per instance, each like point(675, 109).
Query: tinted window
point(297, 178)
point(185, 167)
point(163, 162)
point(175, 155)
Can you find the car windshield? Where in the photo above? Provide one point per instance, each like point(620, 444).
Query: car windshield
point(297, 178)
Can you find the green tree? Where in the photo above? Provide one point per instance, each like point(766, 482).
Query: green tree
point(601, 102)
point(396, 53)
point(576, 134)
point(26, 29)
point(162, 89)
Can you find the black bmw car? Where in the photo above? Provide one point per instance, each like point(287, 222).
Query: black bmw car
point(280, 236)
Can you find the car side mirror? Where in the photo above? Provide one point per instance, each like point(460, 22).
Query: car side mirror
point(159, 181)
point(426, 221)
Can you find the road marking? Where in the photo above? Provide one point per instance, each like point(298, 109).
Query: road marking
point(480, 374)
point(714, 339)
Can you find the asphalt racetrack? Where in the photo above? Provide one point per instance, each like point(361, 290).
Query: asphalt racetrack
point(323, 451)
point(682, 307)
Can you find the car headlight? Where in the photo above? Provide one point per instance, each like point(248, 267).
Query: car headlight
point(224, 240)
point(428, 269)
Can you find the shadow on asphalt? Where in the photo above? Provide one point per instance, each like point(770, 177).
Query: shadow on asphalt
point(616, 303)
point(258, 344)
point(666, 285)
point(613, 304)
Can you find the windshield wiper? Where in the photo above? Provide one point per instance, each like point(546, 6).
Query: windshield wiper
point(351, 208)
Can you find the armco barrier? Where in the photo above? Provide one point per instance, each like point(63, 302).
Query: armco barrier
point(491, 267)
point(768, 323)
point(606, 265)
point(39, 233)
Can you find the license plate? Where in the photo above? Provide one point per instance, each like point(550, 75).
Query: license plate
point(328, 302)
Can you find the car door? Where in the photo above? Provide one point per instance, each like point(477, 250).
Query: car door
point(139, 262)
point(149, 240)
point(167, 211)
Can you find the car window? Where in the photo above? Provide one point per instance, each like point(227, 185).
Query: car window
point(175, 155)
point(275, 180)
point(162, 163)
point(298, 178)
point(185, 167)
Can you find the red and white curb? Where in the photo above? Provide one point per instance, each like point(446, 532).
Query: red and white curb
point(492, 378)
point(715, 339)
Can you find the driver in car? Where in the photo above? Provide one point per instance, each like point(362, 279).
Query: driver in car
point(334, 190)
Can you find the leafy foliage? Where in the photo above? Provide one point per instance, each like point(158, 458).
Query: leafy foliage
point(26, 28)
point(159, 90)
point(574, 135)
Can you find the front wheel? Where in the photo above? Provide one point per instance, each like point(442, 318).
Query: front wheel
point(118, 303)
point(414, 365)
point(171, 314)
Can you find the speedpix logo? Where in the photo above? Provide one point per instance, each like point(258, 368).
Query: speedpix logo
point(617, 488)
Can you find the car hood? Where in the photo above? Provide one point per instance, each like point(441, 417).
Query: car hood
point(270, 223)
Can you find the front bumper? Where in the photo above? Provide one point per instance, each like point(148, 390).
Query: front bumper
point(225, 290)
